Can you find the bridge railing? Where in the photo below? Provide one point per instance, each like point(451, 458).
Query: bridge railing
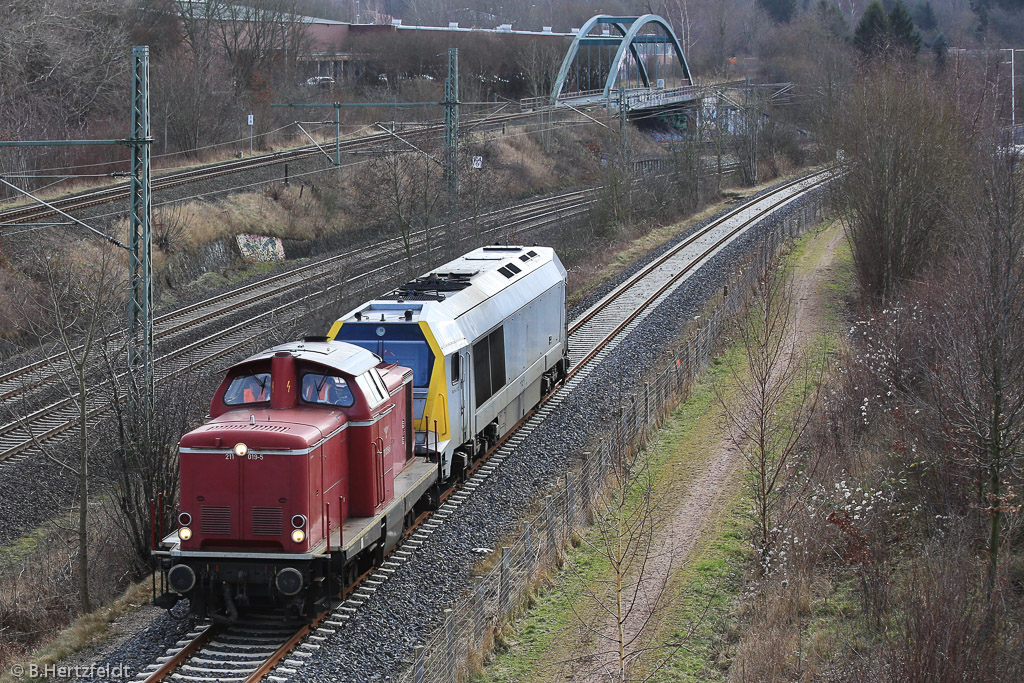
point(635, 97)
point(647, 97)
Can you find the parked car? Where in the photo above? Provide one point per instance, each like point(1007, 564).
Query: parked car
point(320, 81)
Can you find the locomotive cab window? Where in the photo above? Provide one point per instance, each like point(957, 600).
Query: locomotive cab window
point(245, 389)
point(401, 344)
point(318, 387)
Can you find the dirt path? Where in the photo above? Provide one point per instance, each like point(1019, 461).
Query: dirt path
point(689, 520)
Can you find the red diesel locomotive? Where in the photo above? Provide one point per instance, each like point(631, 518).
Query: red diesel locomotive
point(289, 489)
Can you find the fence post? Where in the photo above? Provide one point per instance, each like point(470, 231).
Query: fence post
point(419, 669)
point(585, 486)
point(570, 492)
point(503, 586)
point(549, 511)
point(647, 404)
point(449, 639)
point(528, 547)
point(478, 612)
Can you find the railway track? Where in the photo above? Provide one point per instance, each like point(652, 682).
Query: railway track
point(269, 304)
point(592, 336)
point(90, 198)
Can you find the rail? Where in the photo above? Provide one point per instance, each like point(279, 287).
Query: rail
point(22, 436)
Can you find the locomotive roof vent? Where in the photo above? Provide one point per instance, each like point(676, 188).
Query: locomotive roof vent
point(314, 338)
point(510, 270)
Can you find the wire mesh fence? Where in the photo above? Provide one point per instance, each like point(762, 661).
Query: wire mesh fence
point(457, 649)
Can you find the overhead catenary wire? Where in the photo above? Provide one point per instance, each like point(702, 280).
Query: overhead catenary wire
point(359, 128)
point(88, 227)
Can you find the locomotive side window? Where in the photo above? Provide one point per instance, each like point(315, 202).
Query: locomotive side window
point(326, 389)
point(489, 365)
point(481, 371)
point(254, 388)
point(379, 381)
point(456, 367)
point(496, 342)
point(371, 392)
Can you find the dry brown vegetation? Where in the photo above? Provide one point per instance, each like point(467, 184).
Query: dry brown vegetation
point(39, 592)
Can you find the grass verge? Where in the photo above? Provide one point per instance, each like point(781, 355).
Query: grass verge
point(554, 629)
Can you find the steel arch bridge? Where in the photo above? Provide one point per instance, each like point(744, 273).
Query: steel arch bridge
point(642, 62)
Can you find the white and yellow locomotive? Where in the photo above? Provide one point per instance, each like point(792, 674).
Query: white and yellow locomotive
point(486, 337)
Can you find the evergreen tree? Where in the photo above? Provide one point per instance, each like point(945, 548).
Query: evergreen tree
point(904, 36)
point(940, 47)
point(924, 16)
point(779, 10)
point(871, 36)
point(831, 18)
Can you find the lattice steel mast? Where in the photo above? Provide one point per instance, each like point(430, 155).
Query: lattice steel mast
point(140, 255)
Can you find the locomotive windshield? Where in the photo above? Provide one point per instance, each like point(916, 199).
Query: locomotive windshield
point(396, 343)
point(253, 388)
point(327, 389)
point(402, 344)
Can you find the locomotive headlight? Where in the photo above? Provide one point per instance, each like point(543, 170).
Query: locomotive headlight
point(241, 449)
point(298, 521)
point(184, 533)
point(298, 535)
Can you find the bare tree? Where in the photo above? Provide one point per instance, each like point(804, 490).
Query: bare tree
point(903, 148)
point(778, 397)
point(63, 66)
point(76, 304)
point(539, 61)
point(143, 463)
point(404, 186)
point(624, 536)
point(256, 36)
point(978, 331)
